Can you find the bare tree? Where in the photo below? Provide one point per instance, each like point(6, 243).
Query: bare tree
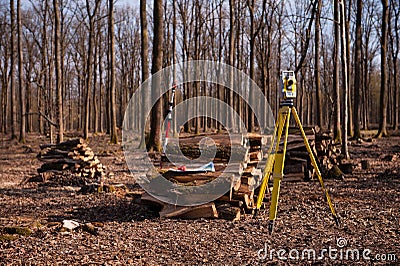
point(254, 31)
point(231, 55)
point(357, 71)
point(395, 43)
point(345, 82)
point(22, 98)
point(113, 133)
point(90, 60)
point(317, 68)
point(4, 58)
point(336, 87)
point(145, 64)
point(382, 132)
point(12, 72)
point(155, 127)
point(59, 96)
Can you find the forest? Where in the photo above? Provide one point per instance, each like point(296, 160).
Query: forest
point(96, 166)
point(72, 65)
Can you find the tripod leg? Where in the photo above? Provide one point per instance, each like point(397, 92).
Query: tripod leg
point(315, 165)
point(278, 174)
point(270, 159)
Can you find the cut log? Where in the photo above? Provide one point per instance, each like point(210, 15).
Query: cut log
point(193, 212)
point(256, 155)
point(258, 140)
point(228, 212)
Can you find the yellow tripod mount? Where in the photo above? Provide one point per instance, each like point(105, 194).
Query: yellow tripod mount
point(276, 162)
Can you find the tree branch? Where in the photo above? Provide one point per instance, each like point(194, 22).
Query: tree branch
point(308, 37)
point(44, 116)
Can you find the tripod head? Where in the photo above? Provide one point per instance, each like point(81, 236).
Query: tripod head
point(288, 87)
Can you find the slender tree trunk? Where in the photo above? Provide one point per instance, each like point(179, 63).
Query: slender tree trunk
point(396, 42)
point(96, 90)
point(89, 62)
point(114, 136)
point(231, 57)
point(22, 98)
point(317, 64)
point(357, 71)
point(42, 75)
point(196, 85)
point(12, 72)
point(174, 26)
point(382, 132)
point(155, 129)
point(57, 40)
point(250, 115)
point(345, 83)
point(348, 65)
point(145, 67)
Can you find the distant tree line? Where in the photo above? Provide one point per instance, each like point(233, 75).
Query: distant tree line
point(72, 65)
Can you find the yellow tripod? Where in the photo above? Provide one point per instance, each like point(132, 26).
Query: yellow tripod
point(276, 161)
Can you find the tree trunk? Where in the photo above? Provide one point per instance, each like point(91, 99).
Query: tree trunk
point(145, 67)
point(382, 132)
point(250, 114)
point(155, 129)
point(57, 41)
point(42, 75)
point(348, 65)
point(357, 72)
point(345, 83)
point(395, 55)
point(114, 136)
point(12, 72)
point(89, 63)
point(317, 64)
point(231, 58)
point(22, 98)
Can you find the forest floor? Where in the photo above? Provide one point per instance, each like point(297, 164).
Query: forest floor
point(368, 202)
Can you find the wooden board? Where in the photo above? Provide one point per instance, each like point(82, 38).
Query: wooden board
point(207, 210)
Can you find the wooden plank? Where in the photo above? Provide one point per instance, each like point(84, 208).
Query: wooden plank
point(147, 199)
point(207, 210)
point(232, 202)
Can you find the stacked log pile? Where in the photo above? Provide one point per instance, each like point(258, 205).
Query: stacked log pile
point(244, 187)
point(297, 162)
point(243, 153)
point(73, 162)
point(236, 160)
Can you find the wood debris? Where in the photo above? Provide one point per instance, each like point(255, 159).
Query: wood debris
point(72, 159)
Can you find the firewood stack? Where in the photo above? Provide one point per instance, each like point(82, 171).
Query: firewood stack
point(243, 188)
point(243, 152)
point(297, 162)
point(328, 152)
point(73, 159)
